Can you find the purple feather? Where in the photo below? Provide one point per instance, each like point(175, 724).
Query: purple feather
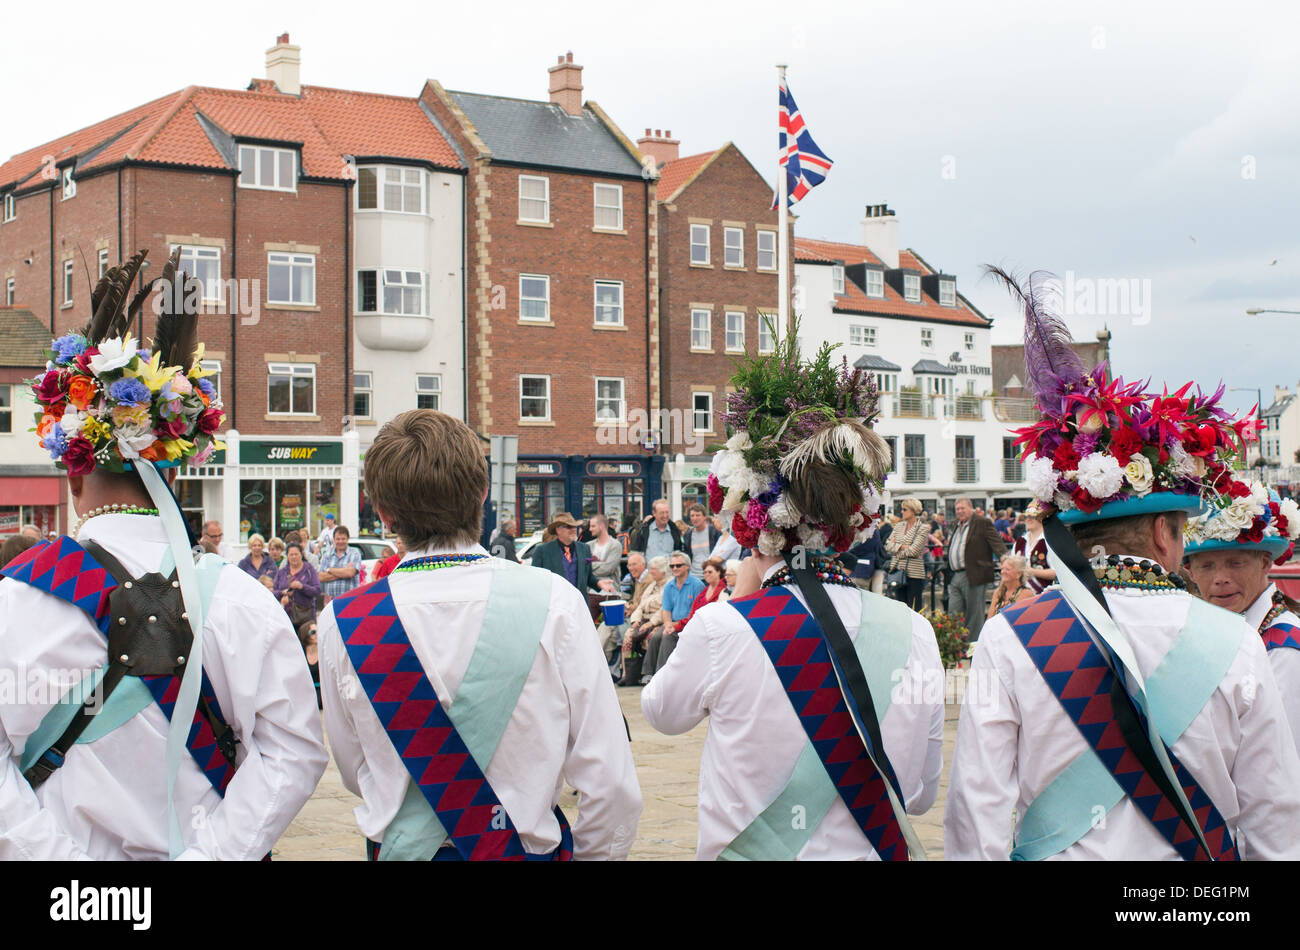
point(1052, 369)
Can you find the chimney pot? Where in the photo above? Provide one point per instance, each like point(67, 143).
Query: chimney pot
point(566, 84)
point(283, 63)
point(880, 234)
point(661, 146)
point(282, 38)
point(647, 133)
point(668, 133)
point(568, 58)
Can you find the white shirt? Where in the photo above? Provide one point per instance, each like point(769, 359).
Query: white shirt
point(726, 548)
point(566, 725)
point(1014, 738)
point(109, 800)
point(721, 670)
point(1284, 660)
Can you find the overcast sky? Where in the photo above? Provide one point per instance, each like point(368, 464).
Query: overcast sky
point(1147, 141)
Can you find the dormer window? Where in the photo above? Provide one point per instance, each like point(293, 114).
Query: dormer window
point(69, 184)
point(875, 283)
point(912, 288)
point(948, 293)
point(837, 278)
point(270, 169)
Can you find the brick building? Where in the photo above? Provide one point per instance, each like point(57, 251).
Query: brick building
point(32, 490)
point(718, 294)
point(562, 334)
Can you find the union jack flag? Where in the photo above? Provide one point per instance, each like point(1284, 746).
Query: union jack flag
point(805, 164)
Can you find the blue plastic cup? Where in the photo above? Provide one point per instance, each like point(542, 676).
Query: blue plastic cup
point(613, 611)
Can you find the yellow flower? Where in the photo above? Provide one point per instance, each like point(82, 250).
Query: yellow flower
point(152, 374)
point(175, 448)
point(196, 368)
point(94, 430)
point(123, 415)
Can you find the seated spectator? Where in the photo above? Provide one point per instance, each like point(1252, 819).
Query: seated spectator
point(297, 586)
point(644, 621)
point(257, 563)
point(1014, 587)
point(612, 637)
point(732, 574)
point(727, 547)
point(678, 600)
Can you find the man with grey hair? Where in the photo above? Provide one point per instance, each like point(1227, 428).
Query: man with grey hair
point(31, 531)
point(973, 546)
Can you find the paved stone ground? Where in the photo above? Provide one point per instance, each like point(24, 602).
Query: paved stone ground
point(667, 767)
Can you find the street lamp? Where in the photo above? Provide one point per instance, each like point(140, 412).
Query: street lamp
point(1257, 310)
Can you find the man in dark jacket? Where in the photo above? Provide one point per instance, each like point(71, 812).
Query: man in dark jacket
point(503, 542)
point(973, 545)
point(569, 557)
point(658, 535)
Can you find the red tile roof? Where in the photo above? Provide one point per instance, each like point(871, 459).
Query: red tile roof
point(327, 123)
point(831, 252)
point(673, 176)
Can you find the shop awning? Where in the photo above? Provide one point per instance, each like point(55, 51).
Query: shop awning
point(31, 491)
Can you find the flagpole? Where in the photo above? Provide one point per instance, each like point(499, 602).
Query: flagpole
point(782, 237)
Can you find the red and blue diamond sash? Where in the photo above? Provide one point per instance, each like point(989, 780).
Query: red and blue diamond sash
point(1282, 635)
point(64, 569)
point(794, 643)
point(423, 734)
point(1079, 678)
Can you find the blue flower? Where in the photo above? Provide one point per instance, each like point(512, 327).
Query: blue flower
point(130, 392)
point(206, 387)
point(56, 442)
point(68, 347)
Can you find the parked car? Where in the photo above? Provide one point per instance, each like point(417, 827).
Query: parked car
point(524, 547)
point(373, 550)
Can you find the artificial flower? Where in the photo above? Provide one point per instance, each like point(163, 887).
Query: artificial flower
point(1100, 475)
point(81, 391)
point(112, 354)
point(1139, 474)
point(79, 457)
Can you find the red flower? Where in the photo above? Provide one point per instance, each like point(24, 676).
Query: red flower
point(1200, 441)
point(79, 457)
point(52, 387)
point(1066, 459)
point(1286, 555)
point(1124, 444)
point(716, 495)
point(1239, 489)
point(211, 421)
point(175, 429)
point(1084, 501)
point(740, 529)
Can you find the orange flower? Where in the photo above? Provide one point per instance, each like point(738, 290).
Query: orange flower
point(43, 427)
point(81, 390)
point(155, 453)
point(57, 409)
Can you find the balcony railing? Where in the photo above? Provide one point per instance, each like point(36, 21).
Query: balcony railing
point(1015, 409)
point(966, 470)
point(1013, 470)
point(916, 470)
point(970, 407)
point(913, 406)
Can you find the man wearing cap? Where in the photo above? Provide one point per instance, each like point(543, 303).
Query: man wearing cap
point(325, 540)
point(569, 557)
point(1116, 717)
point(1230, 566)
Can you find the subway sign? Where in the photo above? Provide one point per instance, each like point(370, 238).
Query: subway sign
point(290, 453)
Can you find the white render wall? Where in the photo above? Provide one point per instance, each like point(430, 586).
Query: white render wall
point(20, 447)
point(394, 349)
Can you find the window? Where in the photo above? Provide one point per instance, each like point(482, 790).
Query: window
point(291, 278)
point(69, 184)
point(291, 388)
point(404, 292)
point(428, 391)
point(6, 408)
point(837, 278)
point(887, 382)
point(766, 332)
point(609, 399)
point(609, 303)
point(534, 297)
point(11, 207)
point(699, 243)
point(67, 281)
point(735, 331)
point(970, 341)
point(702, 412)
point(911, 288)
point(402, 191)
point(535, 397)
point(733, 247)
point(609, 207)
point(203, 263)
point(9, 292)
point(948, 293)
point(767, 250)
point(273, 169)
point(367, 291)
point(927, 338)
point(103, 262)
point(215, 379)
point(701, 329)
point(362, 393)
point(875, 283)
point(534, 199)
point(862, 336)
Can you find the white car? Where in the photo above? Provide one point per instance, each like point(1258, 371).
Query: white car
point(373, 550)
point(524, 547)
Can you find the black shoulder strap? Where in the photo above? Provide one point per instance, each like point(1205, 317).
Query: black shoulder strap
point(1136, 738)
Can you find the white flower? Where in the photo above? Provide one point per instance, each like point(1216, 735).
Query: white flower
point(1100, 475)
point(758, 483)
point(1139, 474)
point(133, 438)
point(1239, 515)
point(783, 514)
point(856, 519)
point(1041, 477)
point(739, 442)
point(771, 543)
point(1181, 463)
point(815, 540)
point(1258, 495)
point(1291, 512)
point(1062, 501)
point(113, 354)
point(734, 500)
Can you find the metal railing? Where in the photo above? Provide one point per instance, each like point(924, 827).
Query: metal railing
point(1013, 470)
point(970, 407)
point(916, 470)
point(1014, 409)
point(913, 406)
point(966, 470)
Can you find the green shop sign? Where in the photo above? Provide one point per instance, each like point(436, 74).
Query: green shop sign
point(290, 453)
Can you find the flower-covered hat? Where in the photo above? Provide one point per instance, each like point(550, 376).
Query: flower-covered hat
point(1247, 516)
point(105, 402)
point(1105, 448)
point(785, 414)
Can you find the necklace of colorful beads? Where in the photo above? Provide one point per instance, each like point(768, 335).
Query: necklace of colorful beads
point(1137, 574)
point(111, 510)
point(828, 571)
point(435, 562)
point(1277, 610)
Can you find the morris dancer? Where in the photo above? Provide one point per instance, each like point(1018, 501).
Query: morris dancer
point(1140, 723)
point(1228, 555)
point(462, 690)
point(84, 771)
point(815, 743)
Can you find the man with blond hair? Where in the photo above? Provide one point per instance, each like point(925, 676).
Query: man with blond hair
point(462, 691)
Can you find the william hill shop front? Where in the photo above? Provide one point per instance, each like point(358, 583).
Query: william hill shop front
point(619, 486)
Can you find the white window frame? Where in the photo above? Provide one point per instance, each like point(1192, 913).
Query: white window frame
point(69, 184)
point(875, 281)
point(194, 253)
point(596, 305)
point(698, 230)
point(970, 341)
point(101, 261)
point(545, 199)
point(927, 338)
point(363, 381)
point(290, 260)
point(912, 288)
point(67, 281)
point(620, 403)
point(701, 337)
point(382, 174)
point(948, 293)
point(546, 300)
point(291, 370)
point(546, 398)
point(385, 281)
point(861, 335)
point(734, 337)
point(728, 248)
point(7, 408)
point(761, 251)
point(766, 334)
point(11, 290)
point(254, 180)
point(428, 384)
point(837, 279)
point(215, 379)
point(598, 206)
point(695, 412)
point(11, 206)
point(886, 382)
